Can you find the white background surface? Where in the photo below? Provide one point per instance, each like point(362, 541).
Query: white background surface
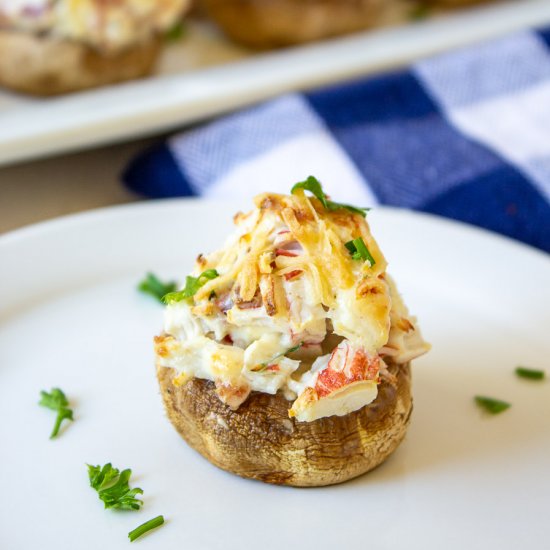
point(70, 317)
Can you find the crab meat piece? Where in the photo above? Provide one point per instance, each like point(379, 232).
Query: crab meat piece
point(282, 237)
point(348, 382)
point(346, 365)
point(232, 395)
point(306, 320)
point(286, 244)
point(224, 302)
point(292, 274)
point(265, 368)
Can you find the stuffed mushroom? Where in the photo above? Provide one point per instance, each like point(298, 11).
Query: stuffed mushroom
point(286, 356)
point(276, 23)
point(50, 47)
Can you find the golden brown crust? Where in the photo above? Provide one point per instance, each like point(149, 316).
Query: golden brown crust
point(45, 66)
point(260, 441)
point(272, 23)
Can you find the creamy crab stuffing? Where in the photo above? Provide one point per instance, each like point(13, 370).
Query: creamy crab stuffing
point(104, 24)
point(290, 305)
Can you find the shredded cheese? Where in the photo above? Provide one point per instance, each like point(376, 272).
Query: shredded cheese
point(286, 281)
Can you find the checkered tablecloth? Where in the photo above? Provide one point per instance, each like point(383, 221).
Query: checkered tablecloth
point(465, 135)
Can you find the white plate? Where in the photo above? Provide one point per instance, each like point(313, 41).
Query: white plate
point(205, 75)
point(71, 317)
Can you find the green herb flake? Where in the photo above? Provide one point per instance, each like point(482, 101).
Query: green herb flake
point(155, 287)
point(491, 405)
point(263, 366)
point(145, 527)
point(112, 487)
point(175, 33)
point(313, 185)
point(293, 349)
point(531, 374)
point(420, 11)
point(56, 401)
point(259, 368)
point(192, 285)
point(359, 251)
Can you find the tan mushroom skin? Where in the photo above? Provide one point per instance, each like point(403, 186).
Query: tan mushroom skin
point(259, 440)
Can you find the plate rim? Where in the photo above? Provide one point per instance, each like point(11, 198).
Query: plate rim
point(153, 484)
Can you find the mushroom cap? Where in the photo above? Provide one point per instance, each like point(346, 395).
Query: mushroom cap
point(260, 441)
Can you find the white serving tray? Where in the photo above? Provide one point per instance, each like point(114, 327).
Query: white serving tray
point(205, 75)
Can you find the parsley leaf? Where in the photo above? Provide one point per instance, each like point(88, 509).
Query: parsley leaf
point(359, 251)
point(112, 487)
point(145, 527)
point(155, 287)
point(192, 285)
point(531, 374)
point(493, 406)
point(101, 475)
point(56, 401)
point(313, 185)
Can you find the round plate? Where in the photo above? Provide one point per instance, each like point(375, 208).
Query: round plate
point(71, 317)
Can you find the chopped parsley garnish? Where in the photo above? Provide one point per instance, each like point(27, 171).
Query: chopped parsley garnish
point(145, 527)
point(531, 374)
point(313, 185)
point(112, 487)
point(192, 285)
point(359, 251)
point(56, 401)
point(263, 366)
point(493, 406)
point(175, 33)
point(155, 287)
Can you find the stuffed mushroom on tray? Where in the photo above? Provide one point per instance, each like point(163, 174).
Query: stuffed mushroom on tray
point(286, 357)
point(50, 47)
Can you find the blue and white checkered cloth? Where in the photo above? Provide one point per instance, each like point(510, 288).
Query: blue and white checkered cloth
point(465, 135)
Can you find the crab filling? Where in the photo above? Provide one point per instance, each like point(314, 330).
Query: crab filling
point(288, 306)
point(106, 25)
